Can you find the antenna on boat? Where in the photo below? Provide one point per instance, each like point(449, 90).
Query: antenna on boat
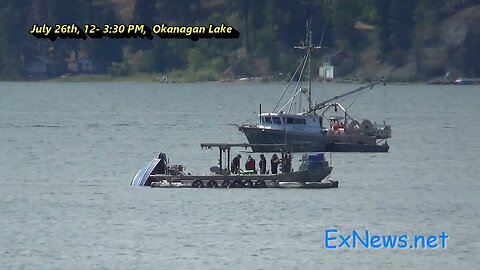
point(260, 113)
point(301, 68)
point(323, 33)
point(309, 47)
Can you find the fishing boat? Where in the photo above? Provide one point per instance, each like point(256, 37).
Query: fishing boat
point(323, 127)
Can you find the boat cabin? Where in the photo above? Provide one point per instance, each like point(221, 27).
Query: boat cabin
point(296, 121)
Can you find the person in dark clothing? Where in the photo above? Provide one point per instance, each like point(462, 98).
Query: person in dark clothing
point(235, 167)
point(262, 164)
point(274, 161)
point(250, 164)
point(288, 163)
point(162, 165)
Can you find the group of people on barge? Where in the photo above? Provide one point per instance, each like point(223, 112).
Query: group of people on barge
point(250, 164)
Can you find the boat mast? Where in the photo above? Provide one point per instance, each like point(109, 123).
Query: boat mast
point(308, 46)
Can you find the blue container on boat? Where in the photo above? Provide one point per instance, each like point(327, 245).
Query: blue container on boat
point(316, 157)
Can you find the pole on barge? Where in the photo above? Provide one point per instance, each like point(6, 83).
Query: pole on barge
point(220, 161)
point(228, 159)
point(260, 114)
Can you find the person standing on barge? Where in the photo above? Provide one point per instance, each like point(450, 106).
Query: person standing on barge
point(262, 164)
point(235, 167)
point(274, 163)
point(288, 163)
point(250, 164)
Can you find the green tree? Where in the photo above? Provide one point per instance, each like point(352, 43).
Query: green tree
point(104, 51)
point(345, 15)
point(402, 23)
point(179, 11)
point(144, 12)
point(13, 43)
point(382, 8)
point(471, 55)
point(243, 8)
point(195, 59)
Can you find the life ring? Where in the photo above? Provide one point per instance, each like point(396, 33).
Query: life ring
point(260, 184)
point(197, 183)
point(248, 184)
point(212, 184)
point(225, 184)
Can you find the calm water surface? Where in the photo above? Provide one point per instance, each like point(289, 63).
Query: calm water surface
point(69, 151)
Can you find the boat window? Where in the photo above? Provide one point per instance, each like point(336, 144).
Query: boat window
point(276, 120)
point(262, 119)
point(300, 121)
point(268, 120)
point(290, 120)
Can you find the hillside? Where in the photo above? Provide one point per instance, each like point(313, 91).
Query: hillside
point(398, 39)
point(449, 48)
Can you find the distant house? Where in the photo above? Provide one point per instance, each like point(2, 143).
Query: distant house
point(85, 65)
point(337, 65)
point(40, 67)
point(326, 72)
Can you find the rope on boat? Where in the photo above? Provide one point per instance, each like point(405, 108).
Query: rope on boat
point(290, 82)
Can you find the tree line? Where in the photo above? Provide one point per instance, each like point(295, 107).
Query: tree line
point(268, 30)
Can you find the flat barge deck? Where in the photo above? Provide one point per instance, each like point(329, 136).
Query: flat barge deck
point(313, 173)
point(236, 181)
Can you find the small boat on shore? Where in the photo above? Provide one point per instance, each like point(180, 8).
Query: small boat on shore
point(312, 173)
point(466, 81)
point(459, 81)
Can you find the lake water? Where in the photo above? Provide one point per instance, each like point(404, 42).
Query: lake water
point(69, 151)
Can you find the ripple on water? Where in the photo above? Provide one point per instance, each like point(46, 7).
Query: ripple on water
point(66, 203)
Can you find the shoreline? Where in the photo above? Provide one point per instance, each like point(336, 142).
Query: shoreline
point(159, 78)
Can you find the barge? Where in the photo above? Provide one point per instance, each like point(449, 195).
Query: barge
point(313, 172)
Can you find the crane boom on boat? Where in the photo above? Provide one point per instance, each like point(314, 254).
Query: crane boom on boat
point(322, 104)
